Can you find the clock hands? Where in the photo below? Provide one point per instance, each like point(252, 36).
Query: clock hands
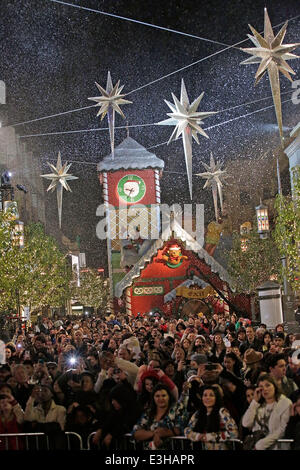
point(129, 190)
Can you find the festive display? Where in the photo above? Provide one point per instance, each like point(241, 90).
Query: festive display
point(109, 102)
point(59, 179)
point(214, 176)
point(272, 55)
point(191, 293)
point(174, 257)
point(212, 237)
point(187, 121)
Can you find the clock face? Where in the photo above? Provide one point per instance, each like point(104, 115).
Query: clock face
point(131, 188)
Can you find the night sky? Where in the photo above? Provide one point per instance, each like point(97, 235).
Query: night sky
point(51, 55)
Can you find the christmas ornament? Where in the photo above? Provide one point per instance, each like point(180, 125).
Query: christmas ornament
point(174, 257)
point(214, 176)
point(59, 179)
point(109, 102)
point(187, 121)
point(272, 55)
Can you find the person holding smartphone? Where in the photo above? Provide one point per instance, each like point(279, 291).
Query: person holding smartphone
point(268, 413)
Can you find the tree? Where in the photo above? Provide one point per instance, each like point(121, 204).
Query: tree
point(37, 275)
point(93, 290)
point(248, 269)
point(287, 232)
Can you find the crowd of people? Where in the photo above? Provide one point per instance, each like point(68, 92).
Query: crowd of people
point(207, 380)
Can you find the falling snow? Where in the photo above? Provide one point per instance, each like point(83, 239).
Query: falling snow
point(51, 56)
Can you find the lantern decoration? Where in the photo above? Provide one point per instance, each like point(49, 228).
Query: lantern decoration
point(18, 234)
point(12, 207)
point(262, 220)
point(244, 244)
point(245, 228)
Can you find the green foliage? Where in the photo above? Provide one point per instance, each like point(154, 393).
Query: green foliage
point(93, 290)
point(36, 275)
point(248, 269)
point(287, 232)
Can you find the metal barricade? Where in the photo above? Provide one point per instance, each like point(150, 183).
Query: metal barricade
point(183, 444)
point(90, 444)
point(176, 443)
point(39, 441)
point(125, 442)
point(284, 444)
point(23, 441)
point(74, 441)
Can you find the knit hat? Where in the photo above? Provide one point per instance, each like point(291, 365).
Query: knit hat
point(199, 358)
point(251, 356)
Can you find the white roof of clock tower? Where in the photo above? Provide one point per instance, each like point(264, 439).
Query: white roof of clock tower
point(130, 155)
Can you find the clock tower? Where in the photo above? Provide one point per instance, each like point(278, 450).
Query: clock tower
point(130, 180)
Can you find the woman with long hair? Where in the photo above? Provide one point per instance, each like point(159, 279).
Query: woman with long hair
point(268, 413)
point(164, 419)
point(212, 423)
point(232, 364)
point(218, 349)
point(145, 396)
point(267, 339)
point(187, 347)
point(120, 418)
point(11, 420)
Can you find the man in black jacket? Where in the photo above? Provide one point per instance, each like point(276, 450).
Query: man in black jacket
point(252, 342)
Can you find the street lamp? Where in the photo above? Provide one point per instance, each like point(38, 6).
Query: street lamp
point(18, 234)
point(262, 220)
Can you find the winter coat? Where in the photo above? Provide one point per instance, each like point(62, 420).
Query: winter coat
point(278, 420)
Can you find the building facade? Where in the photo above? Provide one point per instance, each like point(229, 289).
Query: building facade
point(25, 169)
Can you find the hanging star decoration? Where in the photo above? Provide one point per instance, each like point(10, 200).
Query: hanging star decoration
point(109, 103)
point(187, 121)
point(272, 55)
point(214, 176)
point(59, 179)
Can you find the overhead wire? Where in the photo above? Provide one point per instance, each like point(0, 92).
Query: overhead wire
point(143, 86)
point(105, 13)
point(100, 129)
